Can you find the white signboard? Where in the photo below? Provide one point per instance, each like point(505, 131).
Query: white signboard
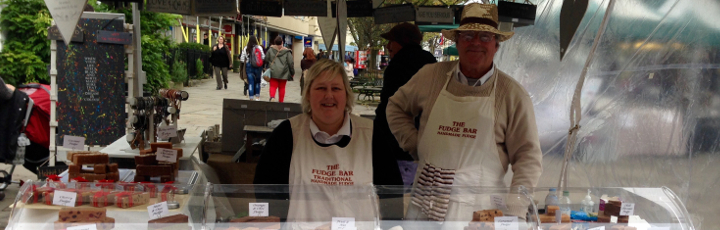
point(166, 132)
point(627, 209)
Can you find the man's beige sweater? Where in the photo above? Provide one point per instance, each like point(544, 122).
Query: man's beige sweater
point(515, 129)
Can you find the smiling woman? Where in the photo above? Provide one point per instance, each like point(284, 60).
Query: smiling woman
point(326, 145)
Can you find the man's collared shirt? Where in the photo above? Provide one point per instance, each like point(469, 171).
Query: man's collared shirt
point(471, 81)
point(325, 138)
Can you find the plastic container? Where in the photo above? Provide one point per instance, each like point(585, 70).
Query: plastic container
point(565, 203)
point(551, 199)
point(588, 206)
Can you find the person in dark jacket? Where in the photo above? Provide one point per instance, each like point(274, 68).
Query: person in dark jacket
point(221, 59)
point(307, 62)
point(407, 57)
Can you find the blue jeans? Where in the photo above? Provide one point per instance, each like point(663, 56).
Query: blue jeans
point(254, 74)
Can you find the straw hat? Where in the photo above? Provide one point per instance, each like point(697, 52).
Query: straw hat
point(479, 17)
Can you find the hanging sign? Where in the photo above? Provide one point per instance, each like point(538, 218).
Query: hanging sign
point(307, 41)
point(215, 8)
point(358, 9)
point(305, 8)
point(113, 37)
point(66, 14)
point(183, 7)
point(54, 34)
point(434, 15)
point(394, 14)
point(261, 7)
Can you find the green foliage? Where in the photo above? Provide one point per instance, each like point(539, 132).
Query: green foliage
point(194, 46)
point(179, 71)
point(155, 45)
point(199, 68)
point(26, 50)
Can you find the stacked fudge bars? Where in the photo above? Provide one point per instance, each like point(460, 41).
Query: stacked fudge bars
point(101, 170)
point(147, 166)
point(484, 220)
point(174, 222)
point(69, 217)
point(549, 216)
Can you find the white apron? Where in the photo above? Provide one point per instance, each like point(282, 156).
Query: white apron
point(457, 149)
point(329, 182)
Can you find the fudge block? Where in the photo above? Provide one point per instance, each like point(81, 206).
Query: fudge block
point(72, 153)
point(74, 169)
point(100, 168)
point(84, 159)
point(92, 176)
point(160, 222)
point(103, 199)
point(612, 208)
point(146, 152)
point(131, 199)
point(81, 214)
point(164, 145)
point(486, 215)
point(106, 224)
point(153, 170)
point(551, 219)
point(602, 218)
point(174, 166)
point(551, 209)
point(561, 227)
point(146, 160)
point(481, 226)
point(113, 168)
point(114, 176)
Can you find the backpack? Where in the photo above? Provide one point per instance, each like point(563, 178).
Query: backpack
point(256, 58)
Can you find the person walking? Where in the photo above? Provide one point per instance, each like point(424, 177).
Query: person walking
point(308, 61)
point(349, 69)
point(221, 59)
point(280, 62)
point(254, 72)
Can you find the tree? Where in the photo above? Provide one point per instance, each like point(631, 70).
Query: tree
point(26, 50)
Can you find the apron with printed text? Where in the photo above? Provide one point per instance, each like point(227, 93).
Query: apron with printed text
point(331, 181)
point(457, 150)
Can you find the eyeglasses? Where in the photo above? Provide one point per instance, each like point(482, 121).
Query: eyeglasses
point(470, 35)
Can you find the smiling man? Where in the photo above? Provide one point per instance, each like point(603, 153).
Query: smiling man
point(475, 121)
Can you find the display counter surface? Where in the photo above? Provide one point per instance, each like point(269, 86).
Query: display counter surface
point(121, 148)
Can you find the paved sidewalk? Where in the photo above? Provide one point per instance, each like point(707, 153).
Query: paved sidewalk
point(204, 107)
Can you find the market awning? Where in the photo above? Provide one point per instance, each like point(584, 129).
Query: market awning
point(335, 48)
point(450, 51)
point(436, 28)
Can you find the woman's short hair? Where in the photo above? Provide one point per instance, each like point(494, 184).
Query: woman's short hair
point(278, 41)
point(332, 69)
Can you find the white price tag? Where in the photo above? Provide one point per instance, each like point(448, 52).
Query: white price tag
point(73, 142)
point(343, 223)
point(158, 210)
point(613, 219)
point(627, 209)
point(168, 155)
point(166, 132)
point(506, 223)
point(499, 201)
point(84, 227)
point(64, 198)
point(259, 209)
point(598, 228)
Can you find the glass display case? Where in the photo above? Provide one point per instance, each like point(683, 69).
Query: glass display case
point(57, 205)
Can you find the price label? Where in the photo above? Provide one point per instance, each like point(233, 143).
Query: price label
point(613, 219)
point(598, 228)
point(259, 209)
point(64, 198)
point(627, 209)
point(84, 227)
point(506, 223)
point(73, 142)
point(158, 210)
point(166, 132)
point(499, 201)
point(168, 155)
point(343, 223)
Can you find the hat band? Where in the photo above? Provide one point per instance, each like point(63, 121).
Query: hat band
point(479, 20)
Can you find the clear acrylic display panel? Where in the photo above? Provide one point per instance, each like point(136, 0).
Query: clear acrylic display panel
point(39, 216)
point(651, 100)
